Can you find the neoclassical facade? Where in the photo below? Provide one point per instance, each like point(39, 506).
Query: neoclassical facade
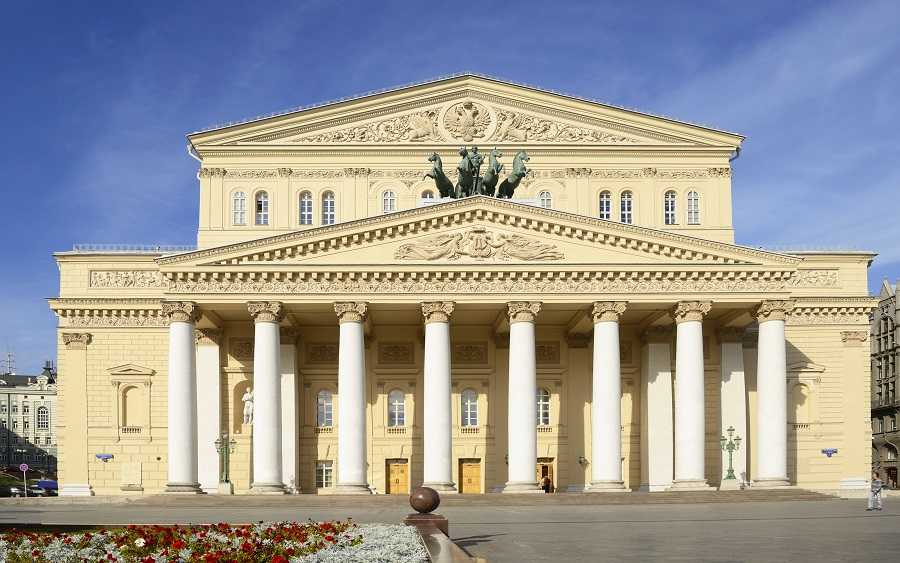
point(353, 332)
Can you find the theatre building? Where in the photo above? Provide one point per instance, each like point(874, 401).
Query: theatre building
point(350, 330)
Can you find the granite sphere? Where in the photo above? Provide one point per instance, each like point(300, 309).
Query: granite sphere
point(424, 499)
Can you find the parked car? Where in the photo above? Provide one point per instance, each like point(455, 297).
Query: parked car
point(37, 491)
point(17, 491)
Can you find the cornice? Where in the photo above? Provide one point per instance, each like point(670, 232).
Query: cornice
point(416, 151)
point(108, 312)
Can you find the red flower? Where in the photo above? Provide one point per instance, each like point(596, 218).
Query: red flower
point(247, 547)
point(148, 559)
point(289, 551)
point(178, 544)
point(329, 538)
point(279, 559)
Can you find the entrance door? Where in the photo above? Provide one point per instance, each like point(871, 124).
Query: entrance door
point(470, 476)
point(397, 472)
point(545, 469)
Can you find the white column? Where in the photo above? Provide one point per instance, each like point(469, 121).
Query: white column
point(182, 398)
point(657, 434)
point(690, 422)
point(771, 395)
point(266, 398)
point(290, 435)
point(209, 408)
point(522, 407)
point(606, 400)
point(733, 405)
point(437, 441)
point(352, 399)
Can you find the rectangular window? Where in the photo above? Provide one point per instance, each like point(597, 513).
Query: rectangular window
point(3, 408)
point(25, 409)
point(893, 423)
point(323, 474)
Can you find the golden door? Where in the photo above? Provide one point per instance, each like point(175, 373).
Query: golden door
point(470, 476)
point(397, 477)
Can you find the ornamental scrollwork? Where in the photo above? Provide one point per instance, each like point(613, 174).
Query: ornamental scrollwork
point(266, 311)
point(124, 279)
point(180, 311)
point(604, 311)
point(467, 121)
point(76, 340)
point(416, 127)
point(437, 311)
point(351, 312)
point(479, 244)
point(686, 311)
point(774, 310)
point(814, 278)
point(516, 126)
point(523, 311)
point(212, 172)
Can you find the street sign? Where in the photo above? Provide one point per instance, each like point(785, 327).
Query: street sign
point(23, 467)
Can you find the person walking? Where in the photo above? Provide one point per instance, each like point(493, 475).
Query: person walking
point(546, 484)
point(875, 493)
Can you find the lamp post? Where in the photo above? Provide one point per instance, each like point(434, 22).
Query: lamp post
point(224, 447)
point(730, 445)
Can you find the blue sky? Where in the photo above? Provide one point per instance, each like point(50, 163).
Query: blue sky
point(98, 96)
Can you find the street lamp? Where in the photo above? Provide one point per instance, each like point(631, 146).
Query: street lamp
point(225, 447)
point(730, 445)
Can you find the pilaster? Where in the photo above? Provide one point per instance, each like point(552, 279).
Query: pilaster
point(73, 438)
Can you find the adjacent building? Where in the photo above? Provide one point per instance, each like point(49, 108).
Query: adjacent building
point(353, 331)
point(27, 413)
point(885, 401)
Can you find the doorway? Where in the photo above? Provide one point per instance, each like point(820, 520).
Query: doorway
point(397, 472)
point(470, 476)
point(545, 469)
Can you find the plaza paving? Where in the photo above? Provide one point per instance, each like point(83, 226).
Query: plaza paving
point(554, 527)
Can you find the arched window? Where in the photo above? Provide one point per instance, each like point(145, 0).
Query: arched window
point(669, 208)
point(546, 199)
point(43, 418)
point(605, 205)
point(239, 208)
point(543, 407)
point(306, 208)
point(428, 194)
point(890, 453)
point(396, 408)
point(693, 208)
point(328, 214)
point(388, 202)
point(626, 207)
point(469, 407)
point(262, 208)
point(324, 408)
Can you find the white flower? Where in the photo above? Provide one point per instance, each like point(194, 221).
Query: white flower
point(140, 542)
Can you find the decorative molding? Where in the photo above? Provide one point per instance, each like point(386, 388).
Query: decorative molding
point(608, 310)
point(180, 311)
point(254, 174)
point(321, 353)
point(854, 337)
point(394, 353)
point(467, 121)
point(773, 310)
point(814, 278)
point(523, 311)
point(357, 172)
point(521, 127)
point(832, 311)
point(547, 353)
point(686, 311)
point(437, 311)
point(420, 126)
point(470, 353)
point(317, 173)
point(480, 244)
point(241, 348)
point(127, 279)
point(127, 318)
point(207, 336)
point(266, 311)
point(76, 340)
point(351, 312)
point(212, 172)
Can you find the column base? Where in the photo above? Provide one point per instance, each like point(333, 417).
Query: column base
point(607, 487)
point(444, 487)
point(76, 490)
point(225, 488)
point(522, 487)
point(730, 485)
point(183, 489)
point(770, 483)
point(690, 485)
point(267, 489)
point(352, 489)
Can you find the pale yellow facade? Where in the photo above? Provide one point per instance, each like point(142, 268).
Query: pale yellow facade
point(480, 253)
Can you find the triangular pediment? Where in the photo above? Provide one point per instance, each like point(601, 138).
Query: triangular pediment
point(130, 370)
point(476, 231)
point(463, 110)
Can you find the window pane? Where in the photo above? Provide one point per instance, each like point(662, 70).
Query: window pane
point(262, 208)
point(605, 205)
point(469, 408)
point(669, 212)
point(388, 202)
point(546, 199)
point(324, 408)
point(328, 214)
point(306, 208)
point(626, 208)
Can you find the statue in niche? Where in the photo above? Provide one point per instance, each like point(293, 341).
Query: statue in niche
point(247, 399)
point(470, 182)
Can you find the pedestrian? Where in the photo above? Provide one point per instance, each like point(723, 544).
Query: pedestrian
point(546, 484)
point(875, 493)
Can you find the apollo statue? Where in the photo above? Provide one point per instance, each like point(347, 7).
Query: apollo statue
point(248, 406)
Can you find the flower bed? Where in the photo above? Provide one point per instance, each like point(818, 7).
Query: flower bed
point(275, 542)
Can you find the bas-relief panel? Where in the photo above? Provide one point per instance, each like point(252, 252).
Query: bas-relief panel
point(321, 352)
point(547, 353)
point(137, 279)
point(393, 353)
point(241, 349)
point(470, 353)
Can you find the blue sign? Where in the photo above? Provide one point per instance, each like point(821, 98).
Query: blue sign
point(103, 457)
point(829, 451)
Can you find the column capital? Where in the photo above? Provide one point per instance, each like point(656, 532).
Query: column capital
point(776, 310)
point(180, 311)
point(730, 334)
point(608, 310)
point(76, 340)
point(266, 311)
point(523, 311)
point(207, 336)
point(437, 311)
point(351, 312)
point(686, 311)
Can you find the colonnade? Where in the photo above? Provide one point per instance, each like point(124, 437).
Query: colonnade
point(606, 436)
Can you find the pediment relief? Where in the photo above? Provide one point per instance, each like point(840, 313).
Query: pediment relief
point(479, 244)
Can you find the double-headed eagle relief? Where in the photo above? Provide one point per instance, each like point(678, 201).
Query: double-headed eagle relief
point(470, 179)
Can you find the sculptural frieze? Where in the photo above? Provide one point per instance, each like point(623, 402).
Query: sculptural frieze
point(415, 127)
point(479, 244)
point(518, 127)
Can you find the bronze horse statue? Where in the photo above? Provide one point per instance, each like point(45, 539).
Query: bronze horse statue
point(511, 182)
point(489, 183)
point(465, 185)
point(441, 181)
